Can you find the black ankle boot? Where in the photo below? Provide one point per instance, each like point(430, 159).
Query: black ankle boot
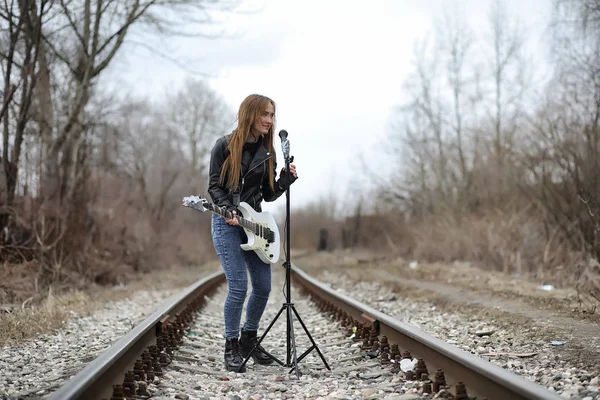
point(248, 340)
point(233, 355)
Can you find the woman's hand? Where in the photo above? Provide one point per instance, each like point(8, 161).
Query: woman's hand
point(292, 170)
point(287, 178)
point(233, 221)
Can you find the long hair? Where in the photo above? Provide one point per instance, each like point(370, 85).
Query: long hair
point(250, 110)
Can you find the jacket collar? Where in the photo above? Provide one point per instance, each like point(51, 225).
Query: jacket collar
point(261, 155)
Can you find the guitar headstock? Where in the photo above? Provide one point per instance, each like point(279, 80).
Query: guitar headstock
point(195, 202)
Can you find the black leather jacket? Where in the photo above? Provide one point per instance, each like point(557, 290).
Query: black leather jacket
point(254, 179)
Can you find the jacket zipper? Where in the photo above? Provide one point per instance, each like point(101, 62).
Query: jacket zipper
point(247, 172)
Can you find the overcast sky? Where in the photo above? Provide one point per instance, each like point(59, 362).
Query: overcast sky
point(335, 68)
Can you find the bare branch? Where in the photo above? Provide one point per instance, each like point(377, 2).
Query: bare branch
point(73, 25)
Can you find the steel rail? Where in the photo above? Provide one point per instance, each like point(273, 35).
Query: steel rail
point(96, 380)
point(481, 378)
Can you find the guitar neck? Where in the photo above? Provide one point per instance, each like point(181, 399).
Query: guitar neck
point(245, 223)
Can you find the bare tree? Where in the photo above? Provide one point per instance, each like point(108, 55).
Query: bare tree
point(54, 55)
point(412, 186)
point(147, 158)
point(87, 36)
point(197, 115)
point(509, 81)
point(432, 127)
point(564, 161)
point(23, 22)
point(456, 42)
point(160, 145)
point(425, 113)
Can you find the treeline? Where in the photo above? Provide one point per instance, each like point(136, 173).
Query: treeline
point(88, 177)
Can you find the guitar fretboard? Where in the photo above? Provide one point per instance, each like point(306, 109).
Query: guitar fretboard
point(258, 229)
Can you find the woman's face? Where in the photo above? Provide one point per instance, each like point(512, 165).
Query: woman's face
point(265, 120)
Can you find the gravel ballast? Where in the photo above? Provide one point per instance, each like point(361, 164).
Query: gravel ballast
point(35, 367)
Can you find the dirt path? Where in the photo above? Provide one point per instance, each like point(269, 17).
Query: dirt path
point(573, 329)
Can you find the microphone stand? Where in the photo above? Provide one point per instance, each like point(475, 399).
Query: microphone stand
point(288, 306)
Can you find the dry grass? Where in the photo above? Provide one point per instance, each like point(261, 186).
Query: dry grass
point(22, 323)
point(512, 243)
point(50, 313)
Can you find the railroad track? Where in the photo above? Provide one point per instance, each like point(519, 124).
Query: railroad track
point(177, 352)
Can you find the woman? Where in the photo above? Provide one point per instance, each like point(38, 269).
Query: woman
point(243, 168)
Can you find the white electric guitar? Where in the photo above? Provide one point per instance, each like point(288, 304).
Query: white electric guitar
point(261, 229)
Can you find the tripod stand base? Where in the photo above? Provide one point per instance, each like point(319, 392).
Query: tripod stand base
point(292, 358)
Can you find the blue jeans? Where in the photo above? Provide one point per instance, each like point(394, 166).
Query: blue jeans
point(236, 262)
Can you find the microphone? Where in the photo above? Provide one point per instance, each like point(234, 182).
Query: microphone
point(285, 143)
